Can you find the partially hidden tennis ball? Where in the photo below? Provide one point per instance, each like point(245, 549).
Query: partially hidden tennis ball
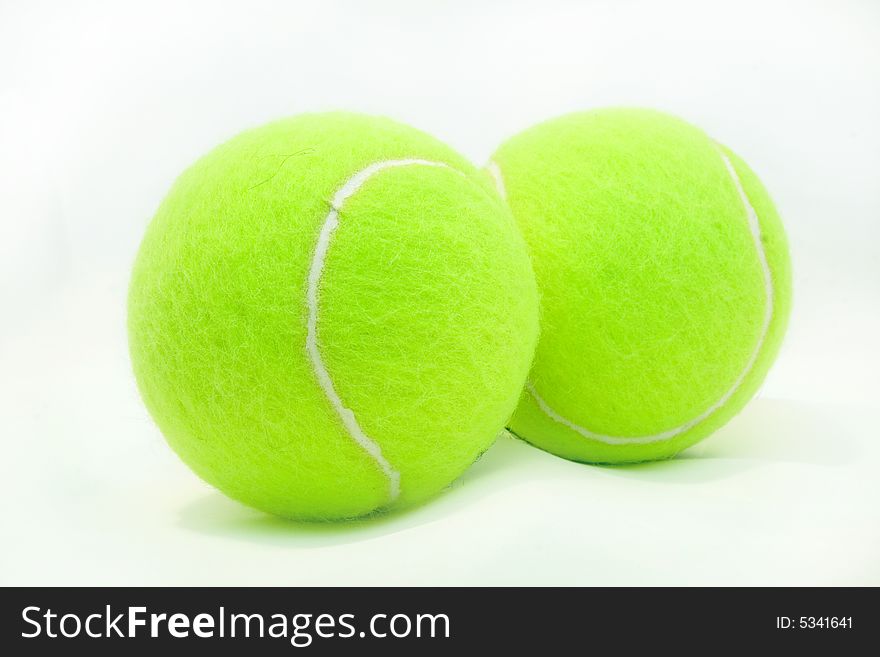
point(330, 315)
point(664, 276)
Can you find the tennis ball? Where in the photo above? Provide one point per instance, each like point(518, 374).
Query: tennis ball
point(664, 276)
point(330, 315)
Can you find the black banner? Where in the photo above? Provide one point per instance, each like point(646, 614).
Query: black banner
point(433, 621)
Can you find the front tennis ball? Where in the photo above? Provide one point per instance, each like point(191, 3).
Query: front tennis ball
point(664, 276)
point(330, 315)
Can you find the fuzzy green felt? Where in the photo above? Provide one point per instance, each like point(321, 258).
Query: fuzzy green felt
point(331, 314)
point(665, 281)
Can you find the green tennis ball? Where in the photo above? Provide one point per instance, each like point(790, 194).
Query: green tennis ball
point(665, 282)
point(330, 315)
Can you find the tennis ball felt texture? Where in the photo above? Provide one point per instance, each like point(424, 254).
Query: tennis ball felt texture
point(331, 315)
point(664, 276)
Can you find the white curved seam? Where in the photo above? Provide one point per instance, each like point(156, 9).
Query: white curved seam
point(755, 231)
point(316, 270)
point(495, 171)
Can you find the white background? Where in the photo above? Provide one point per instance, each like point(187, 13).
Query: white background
point(103, 104)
